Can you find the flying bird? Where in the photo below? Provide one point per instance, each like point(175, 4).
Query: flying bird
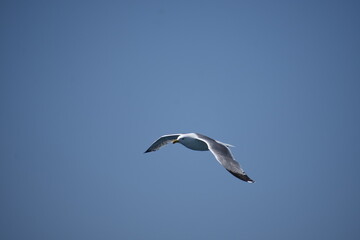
point(199, 142)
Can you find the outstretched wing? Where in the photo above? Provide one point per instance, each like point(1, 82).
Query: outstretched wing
point(163, 140)
point(225, 158)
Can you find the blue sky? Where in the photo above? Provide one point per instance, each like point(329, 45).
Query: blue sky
point(87, 86)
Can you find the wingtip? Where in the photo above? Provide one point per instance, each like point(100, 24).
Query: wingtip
point(147, 151)
point(247, 179)
point(243, 177)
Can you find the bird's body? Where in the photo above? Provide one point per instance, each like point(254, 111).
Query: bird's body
point(199, 142)
point(191, 141)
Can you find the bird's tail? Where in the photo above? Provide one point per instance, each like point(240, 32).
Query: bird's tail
point(226, 144)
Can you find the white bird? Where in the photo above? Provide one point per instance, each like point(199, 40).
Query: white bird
point(199, 142)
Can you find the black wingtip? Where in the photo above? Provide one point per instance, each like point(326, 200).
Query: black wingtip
point(243, 177)
point(251, 181)
point(147, 151)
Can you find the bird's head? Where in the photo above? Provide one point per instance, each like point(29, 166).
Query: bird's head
point(177, 140)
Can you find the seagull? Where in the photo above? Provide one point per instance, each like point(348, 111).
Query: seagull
point(199, 142)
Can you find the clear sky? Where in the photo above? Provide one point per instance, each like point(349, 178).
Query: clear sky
point(87, 86)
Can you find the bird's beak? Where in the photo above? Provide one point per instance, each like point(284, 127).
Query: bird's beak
point(175, 141)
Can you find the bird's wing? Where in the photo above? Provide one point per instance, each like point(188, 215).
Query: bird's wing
point(163, 140)
point(223, 155)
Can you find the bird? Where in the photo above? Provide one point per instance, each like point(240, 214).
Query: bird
point(199, 142)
